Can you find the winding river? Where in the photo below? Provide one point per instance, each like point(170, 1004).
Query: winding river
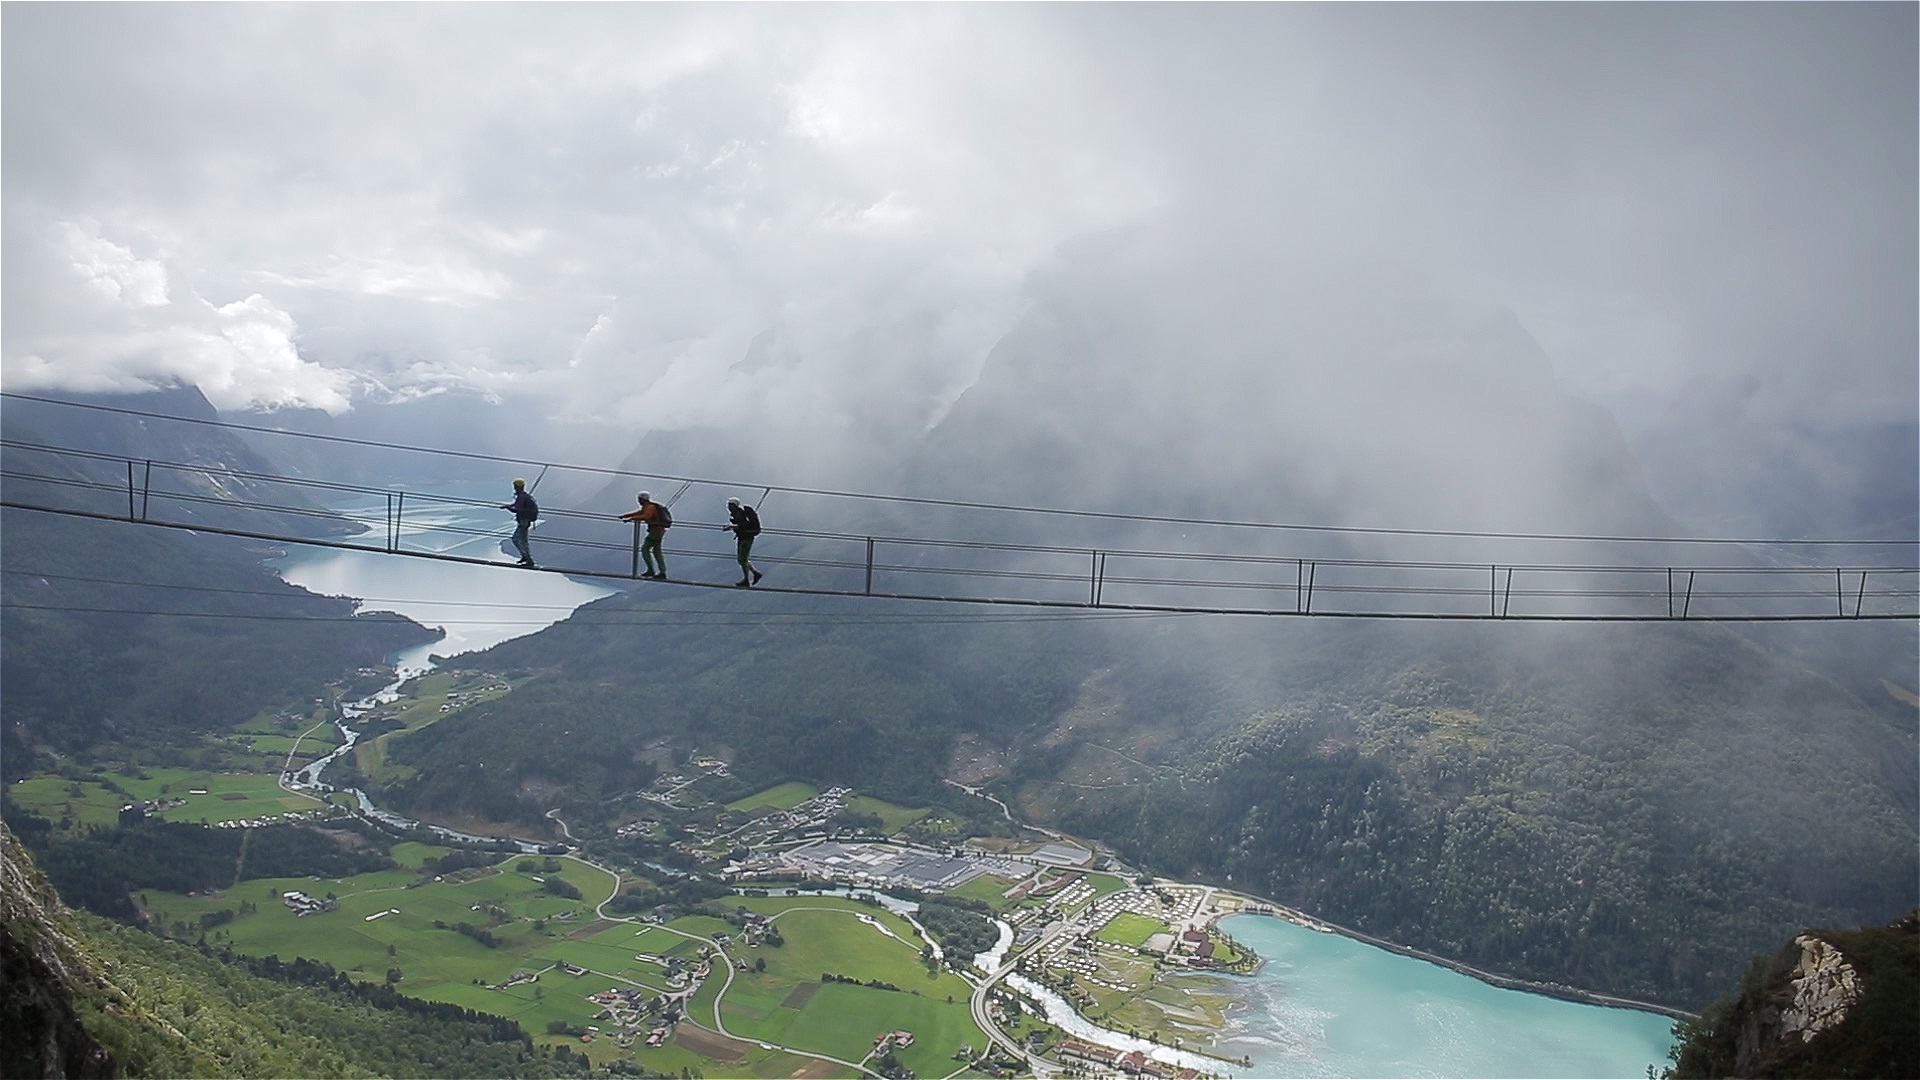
point(474, 607)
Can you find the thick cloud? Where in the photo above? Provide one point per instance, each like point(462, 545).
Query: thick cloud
point(668, 216)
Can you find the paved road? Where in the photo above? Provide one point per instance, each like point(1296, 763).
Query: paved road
point(1039, 1066)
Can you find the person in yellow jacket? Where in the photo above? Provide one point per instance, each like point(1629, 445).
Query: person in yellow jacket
point(658, 519)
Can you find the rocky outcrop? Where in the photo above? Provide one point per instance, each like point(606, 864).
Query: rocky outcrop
point(1825, 986)
point(1832, 1004)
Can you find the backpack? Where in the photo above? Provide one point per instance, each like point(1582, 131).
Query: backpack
point(665, 519)
point(528, 510)
point(749, 522)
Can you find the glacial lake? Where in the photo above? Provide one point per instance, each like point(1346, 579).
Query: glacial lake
point(478, 607)
point(1328, 1005)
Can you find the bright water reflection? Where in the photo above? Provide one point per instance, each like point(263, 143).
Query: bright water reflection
point(477, 607)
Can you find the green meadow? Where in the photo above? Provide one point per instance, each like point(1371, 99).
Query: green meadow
point(1130, 930)
point(783, 797)
point(788, 1004)
point(987, 889)
point(385, 920)
point(211, 797)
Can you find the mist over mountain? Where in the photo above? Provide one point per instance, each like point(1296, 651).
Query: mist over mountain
point(1037, 298)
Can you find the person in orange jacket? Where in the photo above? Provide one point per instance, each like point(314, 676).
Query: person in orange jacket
point(658, 519)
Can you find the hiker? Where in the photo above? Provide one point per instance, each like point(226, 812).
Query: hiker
point(658, 520)
point(525, 513)
point(746, 526)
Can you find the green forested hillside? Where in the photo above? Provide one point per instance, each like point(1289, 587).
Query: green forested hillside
point(1630, 810)
point(96, 663)
point(854, 704)
point(1561, 825)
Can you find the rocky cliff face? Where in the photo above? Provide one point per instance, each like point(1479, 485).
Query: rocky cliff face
point(39, 966)
point(1831, 1004)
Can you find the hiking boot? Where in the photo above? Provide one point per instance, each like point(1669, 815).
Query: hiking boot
point(650, 576)
point(757, 575)
point(742, 583)
point(526, 562)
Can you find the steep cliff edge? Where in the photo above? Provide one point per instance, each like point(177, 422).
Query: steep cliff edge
point(1830, 1004)
point(62, 1017)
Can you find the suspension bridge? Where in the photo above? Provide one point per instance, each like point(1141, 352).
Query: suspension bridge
point(1750, 580)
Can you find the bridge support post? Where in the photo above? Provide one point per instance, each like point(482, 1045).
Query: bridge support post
point(869, 566)
point(146, 490)
point(635, 572)
point(130, 516)
point(1861, 596)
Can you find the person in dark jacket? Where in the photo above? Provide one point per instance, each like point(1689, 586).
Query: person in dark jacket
point(746, 526)
point(525, 513)
point(657, 519)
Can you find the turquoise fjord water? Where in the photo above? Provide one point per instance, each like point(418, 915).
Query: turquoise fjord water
point(1327, 1005)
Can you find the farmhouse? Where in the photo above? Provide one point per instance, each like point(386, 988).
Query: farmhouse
point(303, 905)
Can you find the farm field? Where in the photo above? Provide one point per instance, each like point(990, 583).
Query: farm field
point(1130, 930)
point(386, 921)
point(784, 797)
point(211, 797)
point(789, 1004)
point(987, 889)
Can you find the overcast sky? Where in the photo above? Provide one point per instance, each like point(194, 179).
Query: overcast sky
point(599, 208)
